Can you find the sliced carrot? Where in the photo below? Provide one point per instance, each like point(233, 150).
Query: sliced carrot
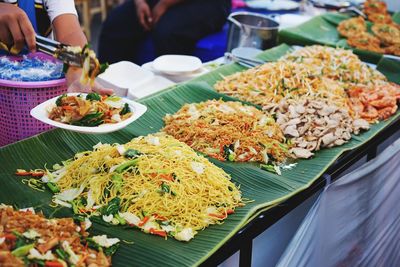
point(23, 173)
point(158, 232)
point(53, 264)
point(230, 211)
point(66, 107)
point(219, 216)
point(153, 175)
point(37, 174)
point(167, 177)
point(159, 217)
point(144, 221)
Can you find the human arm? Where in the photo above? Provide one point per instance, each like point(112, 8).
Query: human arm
point(67, 30)
point(143, 12)
point(15, 28)
point(161, 7)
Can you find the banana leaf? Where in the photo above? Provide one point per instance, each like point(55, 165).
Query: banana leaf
point(322, 30)
point(263, 188)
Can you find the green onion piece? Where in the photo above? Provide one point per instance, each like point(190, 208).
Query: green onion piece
point(268, 167)
point(62, 254)
point(121, 220)
point(123, 167)
point(53, 187)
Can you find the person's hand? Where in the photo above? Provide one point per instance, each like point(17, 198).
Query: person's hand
point(73, 77)
point(144, 14)
point(158, 11)
point(16, 29)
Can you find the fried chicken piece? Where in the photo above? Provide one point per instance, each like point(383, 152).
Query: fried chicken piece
point(366, 41)
point(387, 33)
point(380, 18)
point(351, 27)
point(375, 7)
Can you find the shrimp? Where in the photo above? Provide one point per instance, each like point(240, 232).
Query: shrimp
point(355, 91)
point(367, 97)
point(393, 89)
point(370, 113)
point(387, 112)
point(356, 105)
point(387, 101)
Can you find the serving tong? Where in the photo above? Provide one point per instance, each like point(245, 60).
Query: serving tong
point(59, 51)
point(353, 9)
point(244, 61)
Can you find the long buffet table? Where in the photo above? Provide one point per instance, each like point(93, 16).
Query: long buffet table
point(239, 230)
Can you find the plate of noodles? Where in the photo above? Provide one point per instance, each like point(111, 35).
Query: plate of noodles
point(88, 113)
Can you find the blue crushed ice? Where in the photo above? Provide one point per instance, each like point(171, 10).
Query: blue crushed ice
point(30, 69)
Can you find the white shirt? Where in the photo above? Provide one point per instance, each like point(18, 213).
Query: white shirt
point(54, 8)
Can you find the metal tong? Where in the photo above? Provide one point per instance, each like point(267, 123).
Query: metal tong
point(246, 62)
point(59, 51)
point(353, 9)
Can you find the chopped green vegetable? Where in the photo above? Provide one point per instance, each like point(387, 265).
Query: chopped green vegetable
point(78, 218)
point(62, 254)
point(132, 153)
point(21, 240)
point(112, 207)
point(58, 101)
point(166, 189)
point(229, 153)
point(93, 97)
point(118, 181)
point(126, 109)
point(103, 67)
point(121, 220)
point(78, 204)
point(53, 187)
point(110, 250)
point(22, 251)
point(124, 166)
point(268, 167)
point(90, 120)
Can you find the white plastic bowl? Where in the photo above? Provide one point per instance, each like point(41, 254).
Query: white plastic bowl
point(40, 113)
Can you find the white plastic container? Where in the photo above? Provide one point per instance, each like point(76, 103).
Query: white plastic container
point(124, 76)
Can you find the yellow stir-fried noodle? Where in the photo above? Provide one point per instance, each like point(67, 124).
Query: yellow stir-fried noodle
point(155, 183)
point(228, 131)
point(271, 82)
point(335, 63)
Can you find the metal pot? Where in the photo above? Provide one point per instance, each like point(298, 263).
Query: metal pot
point(251, 30)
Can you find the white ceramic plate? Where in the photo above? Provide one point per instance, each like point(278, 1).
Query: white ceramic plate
point(40, 113)
point(177, 64)
point(273, 5)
